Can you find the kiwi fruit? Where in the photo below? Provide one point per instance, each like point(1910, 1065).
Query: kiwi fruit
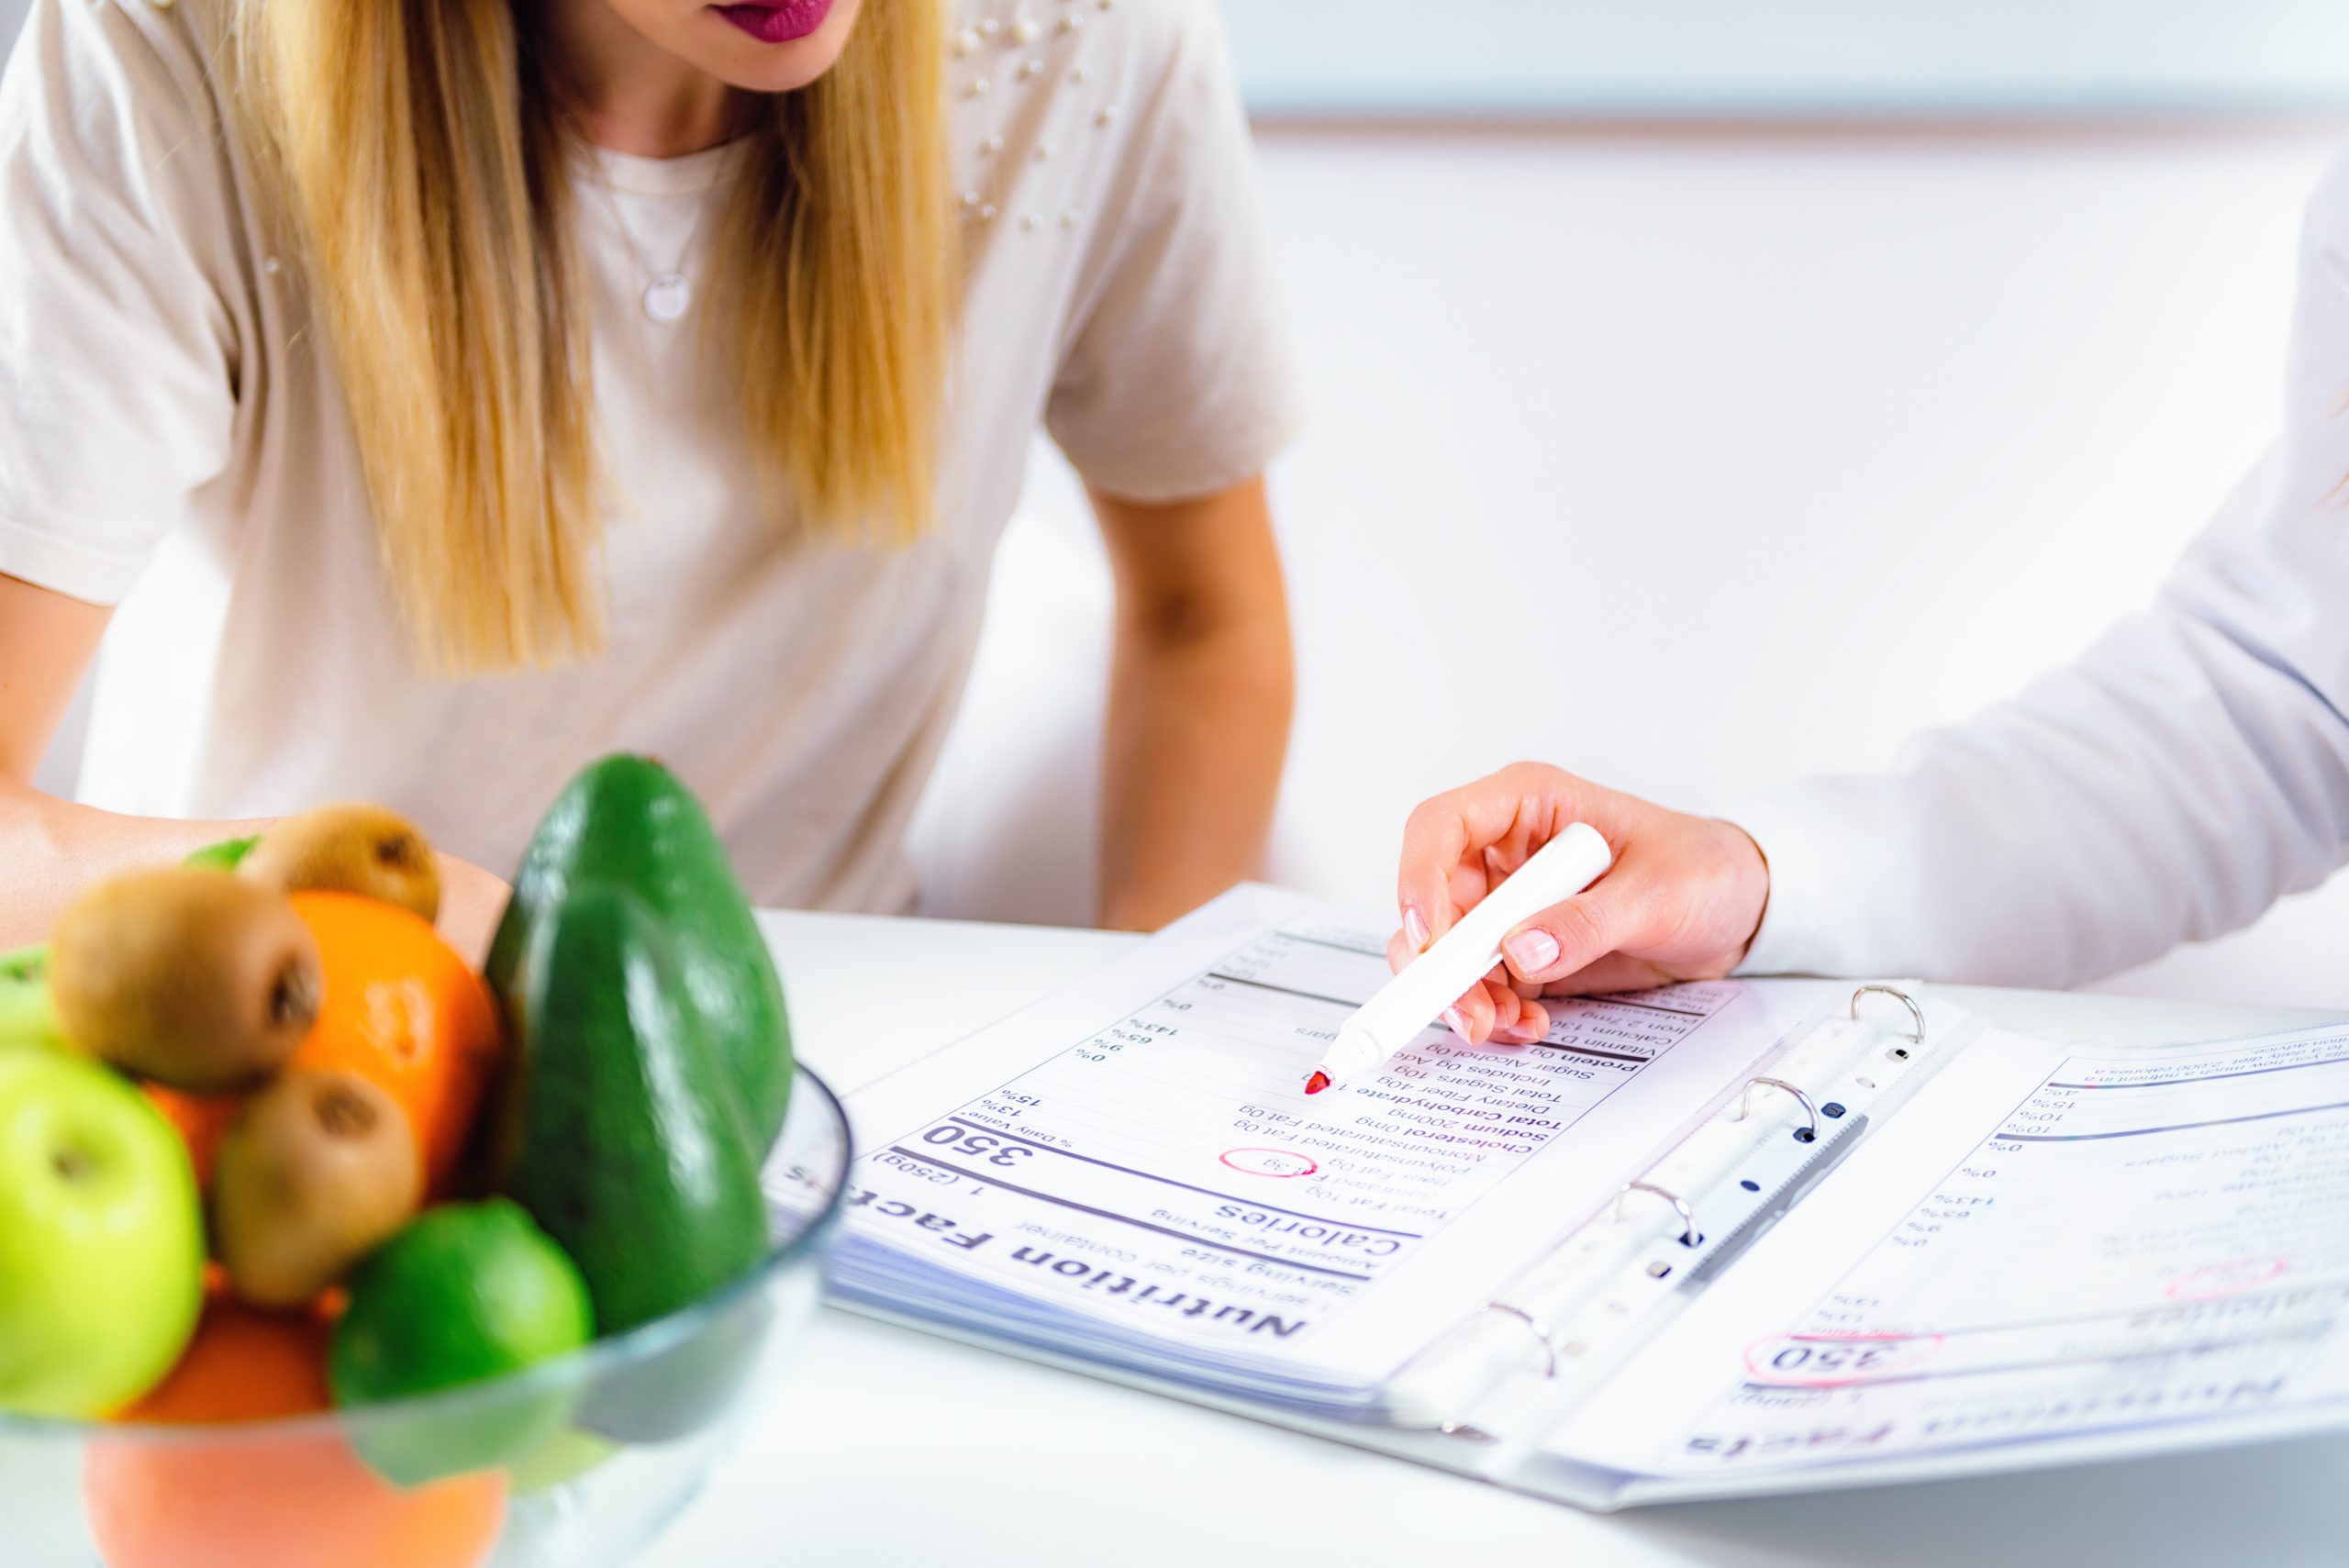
point(194, 979)
point(358, 848)
point(318, 1171)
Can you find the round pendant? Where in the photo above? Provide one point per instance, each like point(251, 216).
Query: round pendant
point(667, 298)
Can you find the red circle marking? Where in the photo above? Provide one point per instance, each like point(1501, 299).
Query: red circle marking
point(2213, 1281)
point(1276, 1176)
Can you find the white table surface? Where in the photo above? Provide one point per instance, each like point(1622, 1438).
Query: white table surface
point(884, 1446)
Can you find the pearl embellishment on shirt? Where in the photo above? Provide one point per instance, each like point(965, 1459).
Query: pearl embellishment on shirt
point(1019, 32)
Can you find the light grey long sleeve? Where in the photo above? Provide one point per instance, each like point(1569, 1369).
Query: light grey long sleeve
point(2192, 768)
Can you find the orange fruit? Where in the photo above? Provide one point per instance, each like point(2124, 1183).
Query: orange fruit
point(263, 1501)
point(402, 1010)
point(243, 1365)
point(258, 1499)
point(405, 1012)
point(201, 1119)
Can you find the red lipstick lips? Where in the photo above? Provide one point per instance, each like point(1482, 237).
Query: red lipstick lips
point(778, 21)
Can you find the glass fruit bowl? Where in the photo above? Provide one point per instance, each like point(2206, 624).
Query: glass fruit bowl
point(578, 1461)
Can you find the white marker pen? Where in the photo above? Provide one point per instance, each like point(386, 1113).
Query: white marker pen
point(1462, 956)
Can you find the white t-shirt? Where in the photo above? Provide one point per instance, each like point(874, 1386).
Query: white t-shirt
point(169, 442)
point(2188, 772)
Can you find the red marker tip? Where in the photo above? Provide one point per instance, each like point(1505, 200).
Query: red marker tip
point(1318, 1082)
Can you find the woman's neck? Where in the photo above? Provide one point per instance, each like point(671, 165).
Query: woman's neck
point(630, 96)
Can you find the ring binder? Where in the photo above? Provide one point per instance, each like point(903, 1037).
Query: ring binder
point(1688, 1237)
point(1535, 1327)
point(1745, 1105)
point(1611, 1280)
point(1916, 1014)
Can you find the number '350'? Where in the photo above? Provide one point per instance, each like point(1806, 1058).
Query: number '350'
point(977, 1145)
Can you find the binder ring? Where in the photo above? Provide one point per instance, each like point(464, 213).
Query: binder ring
point(1688, 1237)
point(1534, 1325)
point(1916, 1012)
point(1745, 1105)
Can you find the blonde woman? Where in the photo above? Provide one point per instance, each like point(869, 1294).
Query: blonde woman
point(422, 398)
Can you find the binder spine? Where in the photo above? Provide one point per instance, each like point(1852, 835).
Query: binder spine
point(1607, 1285)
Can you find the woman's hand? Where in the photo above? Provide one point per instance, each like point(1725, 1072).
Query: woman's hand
point(1682, 900)
point(472, 903)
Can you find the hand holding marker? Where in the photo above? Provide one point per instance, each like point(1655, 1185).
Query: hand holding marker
point(1383, 1026)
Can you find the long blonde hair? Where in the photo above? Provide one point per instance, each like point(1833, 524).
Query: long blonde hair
point(422, 169)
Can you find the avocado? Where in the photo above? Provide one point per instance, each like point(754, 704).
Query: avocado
point(626, 821)
point(618, 1130)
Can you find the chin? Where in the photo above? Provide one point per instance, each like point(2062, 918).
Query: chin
point(784, 66)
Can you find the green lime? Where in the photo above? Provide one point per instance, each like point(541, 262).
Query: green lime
point(465, 1293)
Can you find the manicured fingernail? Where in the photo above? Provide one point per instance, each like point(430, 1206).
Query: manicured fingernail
point(1456, 1022)
point(1415, 931)
point(1532, 951)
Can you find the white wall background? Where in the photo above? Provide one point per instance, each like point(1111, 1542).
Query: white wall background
point(1788, 56)
point(1694, 462)
point(1777, 56)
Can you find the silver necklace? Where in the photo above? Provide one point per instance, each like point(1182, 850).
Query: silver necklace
point(669, 294)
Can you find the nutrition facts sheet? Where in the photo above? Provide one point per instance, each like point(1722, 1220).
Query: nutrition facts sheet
point(1148, 1134)
point(2141, 1236)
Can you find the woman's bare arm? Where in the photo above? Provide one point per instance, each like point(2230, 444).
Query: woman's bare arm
point(51, 848)
point(1201, 689)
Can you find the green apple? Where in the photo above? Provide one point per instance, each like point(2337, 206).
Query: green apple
point(25, 1016)
point(101, 1238)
